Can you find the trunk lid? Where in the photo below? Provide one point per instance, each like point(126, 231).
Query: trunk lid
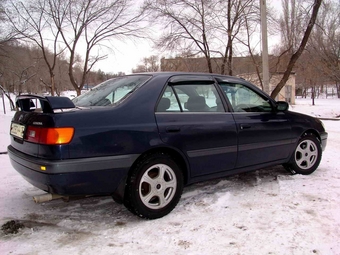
point(36, 116)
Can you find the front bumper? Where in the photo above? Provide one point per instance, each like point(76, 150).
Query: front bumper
point(84, 176)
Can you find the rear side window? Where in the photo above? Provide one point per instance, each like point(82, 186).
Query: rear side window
point(190, 98)
point(111, 91)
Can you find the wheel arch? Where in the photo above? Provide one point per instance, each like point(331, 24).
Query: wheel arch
point(311, 132)
point(178, 157)
point(306, 132)
point(293, 166)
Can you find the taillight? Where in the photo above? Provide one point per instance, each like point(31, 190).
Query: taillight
point(50, 136)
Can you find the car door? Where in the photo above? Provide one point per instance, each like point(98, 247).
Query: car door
point(191, 118)
point(264, 134)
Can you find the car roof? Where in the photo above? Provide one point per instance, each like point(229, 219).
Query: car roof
point(169, 74)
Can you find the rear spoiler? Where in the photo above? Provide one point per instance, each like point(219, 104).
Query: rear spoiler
point(49, 104)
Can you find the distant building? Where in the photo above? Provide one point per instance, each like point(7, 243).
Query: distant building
point(242, 67)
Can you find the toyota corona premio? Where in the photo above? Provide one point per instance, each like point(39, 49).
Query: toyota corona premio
point(141, 138)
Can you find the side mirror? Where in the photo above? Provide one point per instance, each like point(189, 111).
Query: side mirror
point(282, 106)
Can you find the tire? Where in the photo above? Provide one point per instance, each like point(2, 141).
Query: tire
point(307, 156)
point(154, 186)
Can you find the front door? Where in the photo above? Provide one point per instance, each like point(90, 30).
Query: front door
point(264, 135)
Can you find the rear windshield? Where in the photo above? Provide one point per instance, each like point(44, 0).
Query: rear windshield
point(111, 91)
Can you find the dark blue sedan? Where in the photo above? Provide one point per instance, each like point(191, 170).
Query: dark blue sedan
point(140, 138)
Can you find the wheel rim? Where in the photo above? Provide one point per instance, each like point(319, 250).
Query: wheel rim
point(157, 186)
point(306, 154)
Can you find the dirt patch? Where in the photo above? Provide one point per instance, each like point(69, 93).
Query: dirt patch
point(11, 227)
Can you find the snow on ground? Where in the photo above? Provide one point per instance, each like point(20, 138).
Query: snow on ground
point(323, 108)
point(263, 212)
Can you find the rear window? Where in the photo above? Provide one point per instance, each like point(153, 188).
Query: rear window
point(111, 91)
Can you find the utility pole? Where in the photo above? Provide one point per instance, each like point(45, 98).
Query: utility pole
point(265, 65)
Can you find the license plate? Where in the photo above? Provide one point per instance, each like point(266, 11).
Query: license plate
point(17, 130)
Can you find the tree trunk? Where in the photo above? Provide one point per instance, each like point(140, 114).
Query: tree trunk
point(52, 85)
point(224, 60)
point(298, 53)
point(230, 57)
point(9, 98)
point(78, 90)
point(209, 65)
point(230, 46)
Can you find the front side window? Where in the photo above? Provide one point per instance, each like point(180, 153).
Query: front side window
point(190, 98)
point(243, 99)
point(111, 91)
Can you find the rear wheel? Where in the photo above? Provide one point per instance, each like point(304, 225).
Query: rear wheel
point(154, 187)
point(306, 157)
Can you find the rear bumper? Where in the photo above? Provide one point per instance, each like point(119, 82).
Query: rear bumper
point(86, 176)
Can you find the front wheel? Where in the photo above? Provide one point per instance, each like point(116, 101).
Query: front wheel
point(154, 186)
point(306, 157)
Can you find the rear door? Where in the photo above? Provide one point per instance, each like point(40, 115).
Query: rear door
point(191, 118)
point(264, 134)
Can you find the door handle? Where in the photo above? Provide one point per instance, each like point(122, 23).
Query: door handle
point(172, 129)
point(245, 126)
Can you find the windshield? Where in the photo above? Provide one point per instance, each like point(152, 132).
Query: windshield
point(111, 91)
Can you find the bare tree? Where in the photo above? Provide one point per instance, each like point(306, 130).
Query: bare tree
point(311, 77)
point(78, 28)
point(6, 33)
point(204, 27)
point(149, 64)
point(7, 94)
point(187, 25)
point(233, 18)
point(16, 69)
point(292, 23)
point(85, 25)
point(315, 8)
point(325, 42)
point(30, 21)
point(250, 29)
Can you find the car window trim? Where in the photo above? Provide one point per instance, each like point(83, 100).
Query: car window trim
point(187, 79)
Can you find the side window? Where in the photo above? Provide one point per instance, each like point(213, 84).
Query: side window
point(243, 99)
point(199, 98)
point(115, 95)
point(168, 102)
point(191, 98)
point(182, 95)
